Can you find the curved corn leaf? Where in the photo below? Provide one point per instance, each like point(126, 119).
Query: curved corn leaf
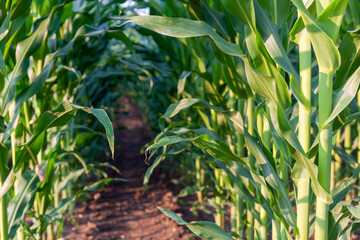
point(350, 54)
point(343, 96)
point(206, 230)
point(264, 28)
point(327, 55)
point(22, 202)
point(215, 147)
point(6, 179)
point(98, 185)
point(77, 157)
point(331, 17)
point(272, 179)
point(184, 28)
point(150, 170)
point(221, 151)
point(59, 117)
point(69, 178)
point(272, 41)
point(101, 115)
point(183, 104)
point(242, 191)
point(285, 130)
point(9, 181)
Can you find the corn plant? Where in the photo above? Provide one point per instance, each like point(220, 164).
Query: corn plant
point(296, 82)
point(40, 96)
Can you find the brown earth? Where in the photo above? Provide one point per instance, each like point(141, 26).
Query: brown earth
point(121, 210)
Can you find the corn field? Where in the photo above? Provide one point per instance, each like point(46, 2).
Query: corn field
point(255, 103)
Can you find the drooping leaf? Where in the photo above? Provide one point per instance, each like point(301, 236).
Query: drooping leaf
point(184, 28)
point(60, 116)
point(206, 230)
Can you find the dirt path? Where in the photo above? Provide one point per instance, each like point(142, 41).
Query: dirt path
point(120, 210)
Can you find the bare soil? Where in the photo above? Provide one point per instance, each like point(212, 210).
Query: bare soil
point(121, 210)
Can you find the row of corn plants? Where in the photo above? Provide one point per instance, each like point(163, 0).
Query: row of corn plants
point(267, 110)
point(51, 66)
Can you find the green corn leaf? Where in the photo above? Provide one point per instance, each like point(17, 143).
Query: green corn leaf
point(346, 235)
point(70, 177)
point(272, 41)
point(30, 44)
point(21, 7)
point(2, 35)
point(60, 116)
point(9, 181)
point(215, 18)
point(206, 230)
point(52, 213)
point(217, 148)
point(264, 85)
point(339, 192)
point(101, 115)
point(338, 221)
point(355, 210)
point(278, 9)
point(273, 88)
point(25, 95)
point(327, 55)
point(186, 103)
point(173, 216)
point(182, 82)
point(343, 96)
point(330, 19)
point(272, 179)
point(265, 29)
point(4, 28)
point(187, 191)
point(6, 178)
point(77, 157)
point(119, 35)
point(3, 69)
point(242, 10)
point(68, 47)
point(214, 147)
point(183, 28)
point(100, 184)
point(23, 201)
point(168, 140)
point(150, 170)
point(350, 54)
point(243, 191)
point(285, 130)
